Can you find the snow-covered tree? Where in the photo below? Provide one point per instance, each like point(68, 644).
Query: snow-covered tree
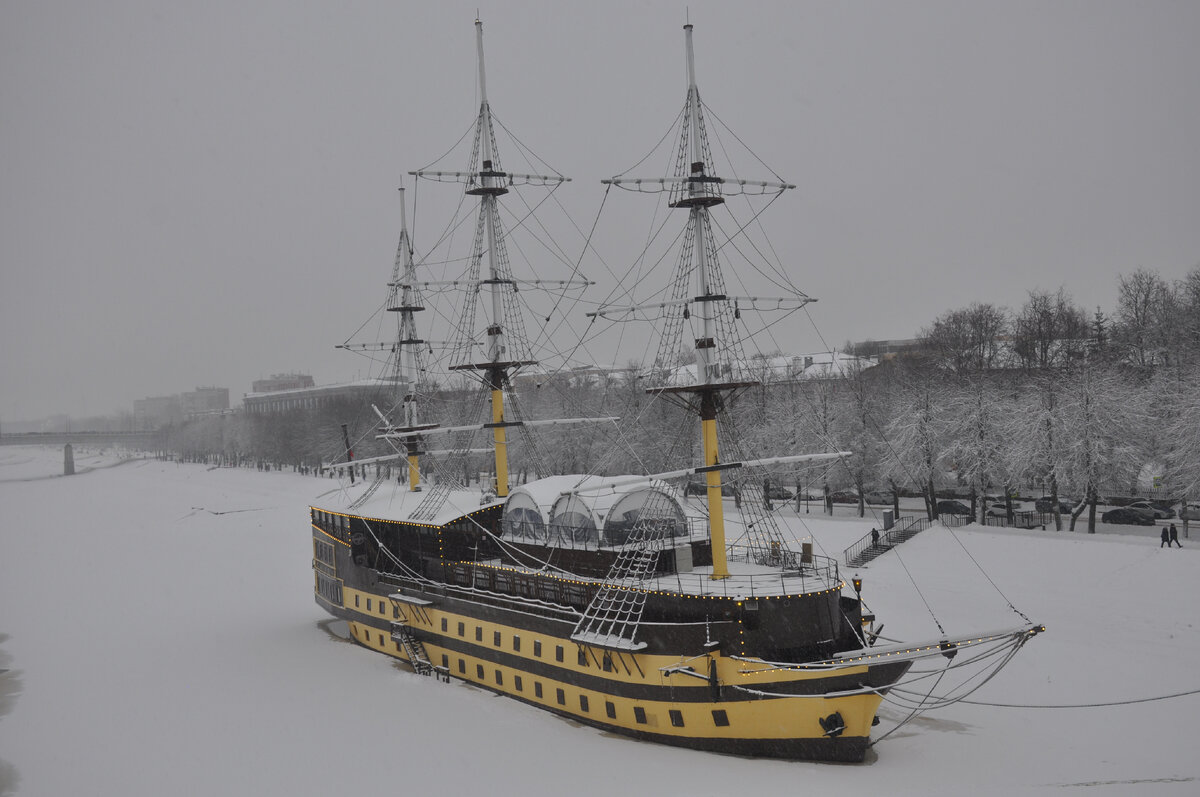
point(857, 429)
point(1103, 418)
point(916, 434)
point(977, 435)
point(1034, 435)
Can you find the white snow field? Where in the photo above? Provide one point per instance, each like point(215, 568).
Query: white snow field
point(159, 637)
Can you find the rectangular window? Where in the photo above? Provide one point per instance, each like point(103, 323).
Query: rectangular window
point(537, 647)
point(583, 703)
point(610, 709)
point(462, 629)
point(355, 601)
point(558, 653)
point(478, 633)
point(582, 657)
point(676, 717)
point(445, 625)
point(607, 663)
point(395, 612)
point(720, 718)
point(462, 666)
point(639, 714)
point(517, 682)
point(445, 662)
point(381, 639)
point(517, 643)
point(496, 638)
point(562, 697)
point(479, 671)
point(499, 678)
point(537, 688)
point(368, 604)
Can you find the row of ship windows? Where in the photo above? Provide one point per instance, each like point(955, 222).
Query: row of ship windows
point(498, 641)
point(720, 717)
point(329, 589)
point(497, 638)
point(323, 551)
point(382, 607)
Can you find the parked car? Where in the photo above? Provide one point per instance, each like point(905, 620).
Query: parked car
point(1159, 512)
point(878, 498)
point(844, 497)
point(780, 493)
point(1047, 505)
point(1127, 516)
point(1190, 512)
point(953, 508)
point(701, 488)
point(997, 510)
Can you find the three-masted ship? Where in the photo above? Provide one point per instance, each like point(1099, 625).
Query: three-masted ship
point(609, 600)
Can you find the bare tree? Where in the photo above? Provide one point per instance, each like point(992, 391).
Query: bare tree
point(1147, 318)
point(1049, 331)
point(968, 340)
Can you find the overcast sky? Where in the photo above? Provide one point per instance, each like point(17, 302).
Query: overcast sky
point(204, 193)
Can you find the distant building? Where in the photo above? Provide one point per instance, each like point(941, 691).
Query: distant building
point(886, 349)
point(156, 412)
point(204, 400)
point(279, 382)
point(312, 398)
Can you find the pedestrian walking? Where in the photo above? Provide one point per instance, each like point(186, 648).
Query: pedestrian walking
point(874, 538)
point(1174, 536)
point(1166, 538)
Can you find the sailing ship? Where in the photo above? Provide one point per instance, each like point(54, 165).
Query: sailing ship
point(610, 600)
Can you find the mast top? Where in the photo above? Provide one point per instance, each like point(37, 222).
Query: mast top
point(691, 60)
point(403, 217)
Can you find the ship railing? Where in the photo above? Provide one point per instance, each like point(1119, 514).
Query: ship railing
point(466, 581)
point(819, 574)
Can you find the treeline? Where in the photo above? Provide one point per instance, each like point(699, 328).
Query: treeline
point(1081, 404)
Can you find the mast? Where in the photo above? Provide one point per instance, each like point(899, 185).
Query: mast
point(698, 205)
point(717, 351)
point(505, 348)
point(488, 191)
point(404, 289)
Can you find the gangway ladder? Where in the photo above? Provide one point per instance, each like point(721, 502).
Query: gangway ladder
point(415, 649)
point(611, 620)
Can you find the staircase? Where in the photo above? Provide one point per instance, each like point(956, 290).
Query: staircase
point(865, 550)
point(417, 656)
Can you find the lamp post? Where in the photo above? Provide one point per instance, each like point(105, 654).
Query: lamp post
point(857, 582)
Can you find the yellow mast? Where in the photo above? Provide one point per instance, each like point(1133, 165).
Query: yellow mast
point(716, 510)
point(498, 438)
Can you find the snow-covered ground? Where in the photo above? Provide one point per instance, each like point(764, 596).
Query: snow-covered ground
point(160, 637)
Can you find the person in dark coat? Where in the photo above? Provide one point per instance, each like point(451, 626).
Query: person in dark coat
point(1166, 538)
point(874, 538)
point(1174, 536)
